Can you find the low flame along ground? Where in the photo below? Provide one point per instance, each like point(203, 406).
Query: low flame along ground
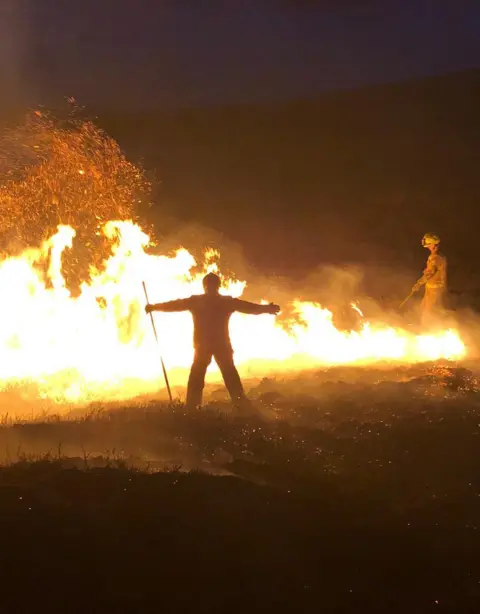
point(99, 345)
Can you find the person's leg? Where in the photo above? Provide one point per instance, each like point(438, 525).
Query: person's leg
point(224, 360)
point(440, 305)
point(196, 379)
point(432, 305)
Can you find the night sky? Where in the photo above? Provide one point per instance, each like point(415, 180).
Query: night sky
point(145, 53)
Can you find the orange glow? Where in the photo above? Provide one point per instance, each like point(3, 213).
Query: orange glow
point(72, 321)
point(99, 345)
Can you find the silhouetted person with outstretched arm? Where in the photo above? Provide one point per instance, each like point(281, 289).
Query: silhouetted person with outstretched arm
point(211, 314)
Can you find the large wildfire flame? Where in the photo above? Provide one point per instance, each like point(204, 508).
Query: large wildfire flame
point(97, 343)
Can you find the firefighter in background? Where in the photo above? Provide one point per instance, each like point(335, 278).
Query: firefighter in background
point(434, 279)
point(211, 339)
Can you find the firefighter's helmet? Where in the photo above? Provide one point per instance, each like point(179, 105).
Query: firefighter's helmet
point(430, 239)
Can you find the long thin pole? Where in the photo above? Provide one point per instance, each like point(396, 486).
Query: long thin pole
point(165, 374)
point(406, 300)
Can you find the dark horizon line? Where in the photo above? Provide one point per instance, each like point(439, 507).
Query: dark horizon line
point(287, 100)
point(97, 110)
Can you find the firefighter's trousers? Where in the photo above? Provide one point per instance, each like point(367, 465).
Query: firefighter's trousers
point(432, 304)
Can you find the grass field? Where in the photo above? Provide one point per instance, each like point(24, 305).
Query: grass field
point(356, 488)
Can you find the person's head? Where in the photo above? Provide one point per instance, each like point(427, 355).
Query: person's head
point(431, 241)
point(211, 283)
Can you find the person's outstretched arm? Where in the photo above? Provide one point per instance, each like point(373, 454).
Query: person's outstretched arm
point(182, 304)
point(254, 308)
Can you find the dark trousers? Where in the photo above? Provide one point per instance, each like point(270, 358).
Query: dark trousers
point(196, 381)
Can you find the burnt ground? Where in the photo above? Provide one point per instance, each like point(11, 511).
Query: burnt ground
point(358, 490)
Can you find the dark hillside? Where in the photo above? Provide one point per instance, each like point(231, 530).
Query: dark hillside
point(357, 175)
